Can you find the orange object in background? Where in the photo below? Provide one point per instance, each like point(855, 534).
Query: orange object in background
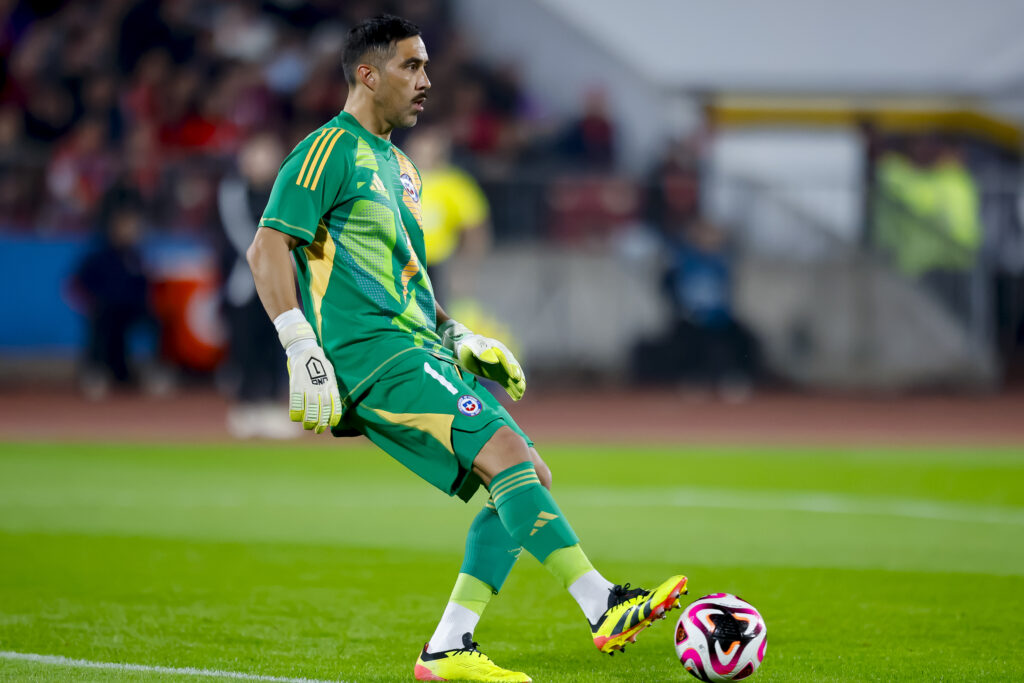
point(186, 302)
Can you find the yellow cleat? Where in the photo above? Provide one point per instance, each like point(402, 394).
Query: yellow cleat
point(464, 664)
point(632, 610)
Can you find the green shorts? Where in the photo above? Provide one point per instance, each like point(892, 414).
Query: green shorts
point(433, 418)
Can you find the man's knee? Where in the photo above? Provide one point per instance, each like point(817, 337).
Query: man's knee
point(543, 471)
point(503, 450)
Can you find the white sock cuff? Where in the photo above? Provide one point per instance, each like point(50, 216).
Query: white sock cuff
point(591, 593)
point(456, 621)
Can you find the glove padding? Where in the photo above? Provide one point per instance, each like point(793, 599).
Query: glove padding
point(313, 397)
point(484, 357)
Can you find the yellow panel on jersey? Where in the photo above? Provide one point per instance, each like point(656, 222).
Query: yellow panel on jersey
point(320, 256)
point(408, 273)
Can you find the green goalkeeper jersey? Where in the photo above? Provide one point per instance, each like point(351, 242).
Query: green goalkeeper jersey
point(352, 200)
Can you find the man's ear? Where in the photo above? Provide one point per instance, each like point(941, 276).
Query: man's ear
point(367, 75)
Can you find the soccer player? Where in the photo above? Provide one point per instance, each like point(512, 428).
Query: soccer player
point(375, 354)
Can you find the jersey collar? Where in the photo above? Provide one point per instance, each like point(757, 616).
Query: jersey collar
point(378, 143)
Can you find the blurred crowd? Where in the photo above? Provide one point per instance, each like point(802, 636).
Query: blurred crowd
point(158, 96)
point(128, 120)
point(179, 112)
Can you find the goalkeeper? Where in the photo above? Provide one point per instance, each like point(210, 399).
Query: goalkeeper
point(374, 354)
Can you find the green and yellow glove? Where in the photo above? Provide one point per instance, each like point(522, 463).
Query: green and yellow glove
point(313, 397)
point(484, 357)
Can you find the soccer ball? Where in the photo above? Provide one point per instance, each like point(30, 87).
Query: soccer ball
point(721, 638)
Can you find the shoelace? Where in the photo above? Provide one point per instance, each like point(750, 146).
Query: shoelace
point(469, 645)
point(621, 594)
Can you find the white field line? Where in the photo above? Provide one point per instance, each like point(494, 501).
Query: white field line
point(800, 502)
point(173, 671)
point(814, 502)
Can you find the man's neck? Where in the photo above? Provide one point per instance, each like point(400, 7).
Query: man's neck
point(363, 112)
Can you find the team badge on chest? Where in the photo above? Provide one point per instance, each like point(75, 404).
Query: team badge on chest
point(410, 187)
point(469, 405)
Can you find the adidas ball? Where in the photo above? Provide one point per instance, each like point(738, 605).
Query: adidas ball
point(721, 638)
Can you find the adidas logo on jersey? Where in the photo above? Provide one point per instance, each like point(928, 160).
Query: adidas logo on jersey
point(378, 186)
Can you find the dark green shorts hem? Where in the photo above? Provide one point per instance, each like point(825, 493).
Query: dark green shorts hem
point(434, 419)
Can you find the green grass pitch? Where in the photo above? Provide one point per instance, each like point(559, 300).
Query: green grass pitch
point(330, 561)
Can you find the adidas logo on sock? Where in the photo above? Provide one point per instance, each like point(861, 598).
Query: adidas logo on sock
point(542, 519)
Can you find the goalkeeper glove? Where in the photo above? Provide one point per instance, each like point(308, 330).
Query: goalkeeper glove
point(313, 397)
point(484, 357)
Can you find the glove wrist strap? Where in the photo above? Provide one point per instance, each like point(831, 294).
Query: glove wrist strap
point(295, 333)
point(451, 331)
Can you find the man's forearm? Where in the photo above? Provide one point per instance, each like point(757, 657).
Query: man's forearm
point(270, 260)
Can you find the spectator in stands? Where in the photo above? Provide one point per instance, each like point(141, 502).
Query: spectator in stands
point(476, 127)
point(177, 86)
point(256, 366)
point(113, 285)
point(673, 189)
point(589, 141)
point(18, 201)
point(80, 171)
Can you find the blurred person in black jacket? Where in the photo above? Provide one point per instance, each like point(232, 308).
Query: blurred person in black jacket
point(256, 364)
point(114, 286)
point(706, 345)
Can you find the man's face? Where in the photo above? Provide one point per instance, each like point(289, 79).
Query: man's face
point(403, 84)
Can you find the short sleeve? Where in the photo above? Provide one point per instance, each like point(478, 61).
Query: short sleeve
point(308, 184)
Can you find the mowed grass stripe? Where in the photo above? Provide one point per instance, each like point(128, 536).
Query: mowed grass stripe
point(776, 511)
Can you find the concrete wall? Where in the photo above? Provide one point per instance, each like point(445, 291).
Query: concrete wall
point(845, 324)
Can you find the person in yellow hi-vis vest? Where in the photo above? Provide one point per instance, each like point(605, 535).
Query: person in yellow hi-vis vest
point(456, 215)
point(927, 211)
point(927, 217)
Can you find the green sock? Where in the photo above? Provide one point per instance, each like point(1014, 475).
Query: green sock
point(490, 551)
point(471, 593)
point(529, 513)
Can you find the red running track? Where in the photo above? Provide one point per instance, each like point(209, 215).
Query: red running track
point(599, 416)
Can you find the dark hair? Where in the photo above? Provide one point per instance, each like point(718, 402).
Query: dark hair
point(377, 37)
